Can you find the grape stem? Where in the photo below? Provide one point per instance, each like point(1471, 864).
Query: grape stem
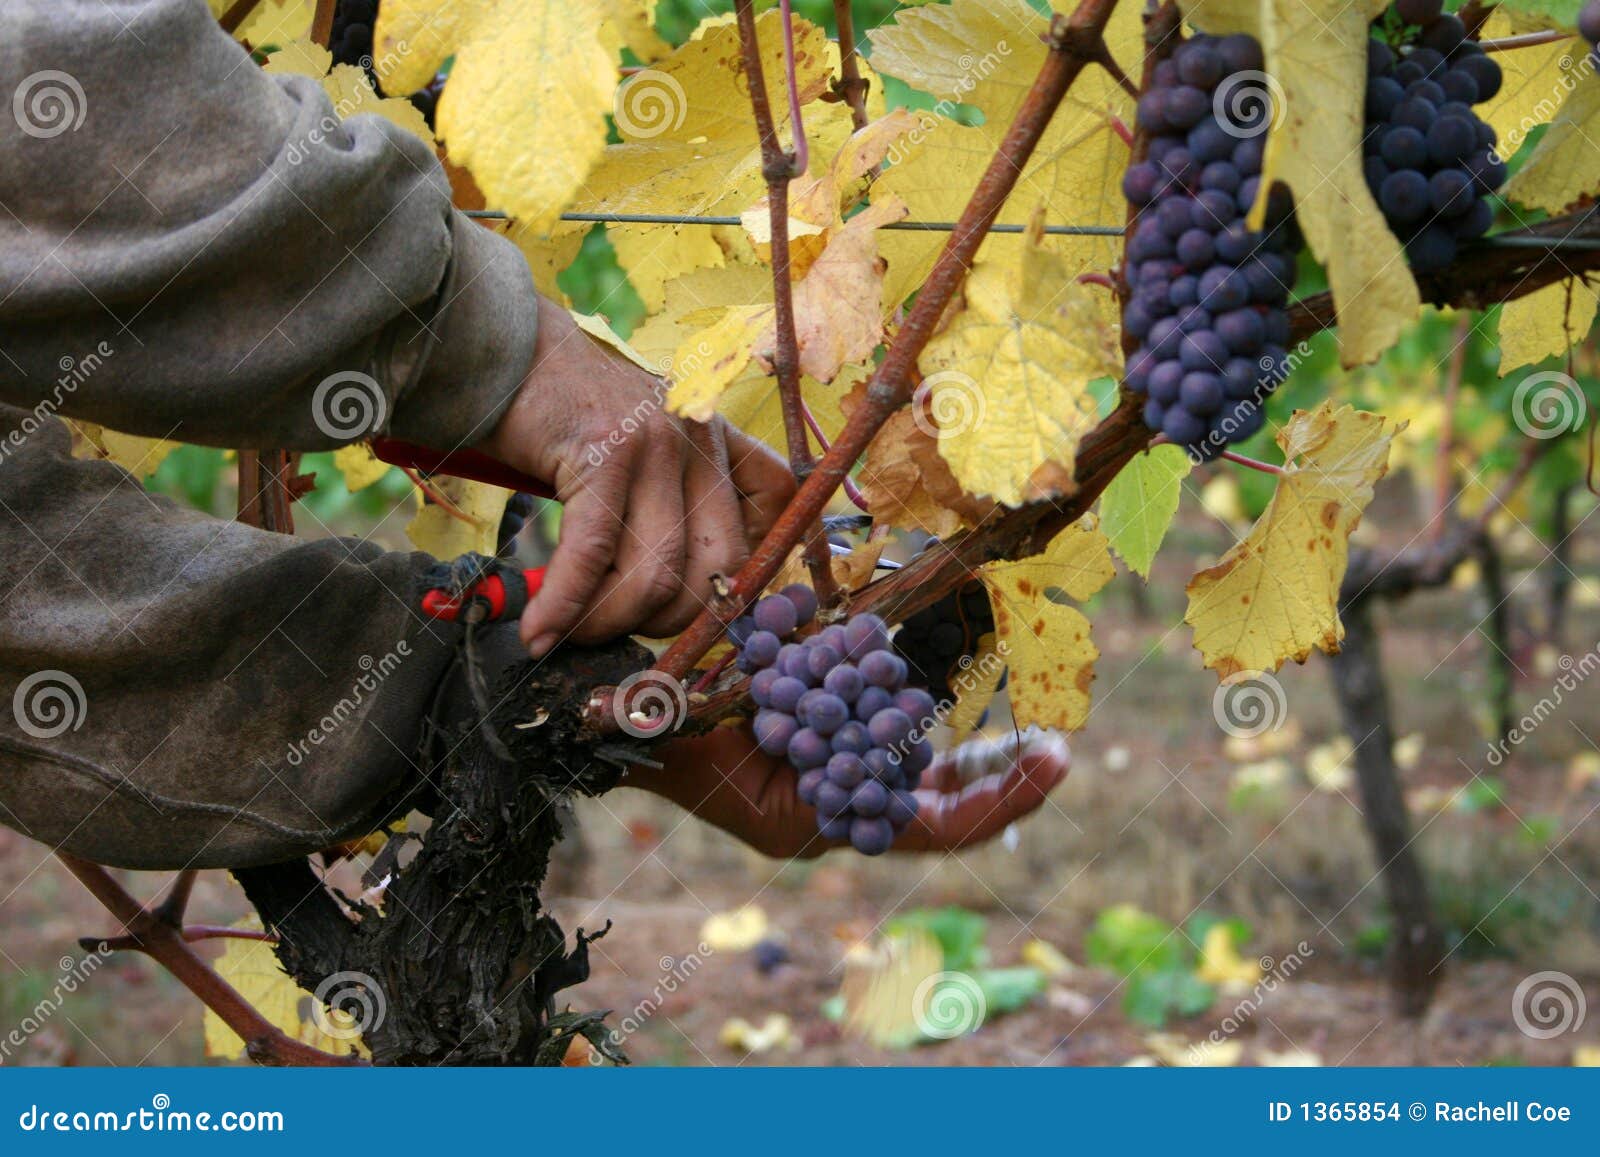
point(851, 490)
point(851, 85)
point(1525, 40)
point(322, 22)
point(238, 12)
point(779, 168)
point(1120, 127)
point(1253, 463)
point(1101, 279)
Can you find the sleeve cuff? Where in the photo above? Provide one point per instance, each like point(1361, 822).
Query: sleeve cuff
point(464, 364)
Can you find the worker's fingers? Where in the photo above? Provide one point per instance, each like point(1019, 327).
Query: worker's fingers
point(595, 499)
point(947, 820)
point(715, 542)
point(764, 481)
point(647, 576)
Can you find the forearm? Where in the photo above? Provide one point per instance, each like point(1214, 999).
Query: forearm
point(210, 245)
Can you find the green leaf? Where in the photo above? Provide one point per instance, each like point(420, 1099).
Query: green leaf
point(1008, 989)
point(1137, 508)
point(1126, 939)
point(960, 934)
point(1562, 12)
point(1202, 922)
point(1153, 996)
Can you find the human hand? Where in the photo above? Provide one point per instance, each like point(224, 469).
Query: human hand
point(968, 796)
point(654, 504)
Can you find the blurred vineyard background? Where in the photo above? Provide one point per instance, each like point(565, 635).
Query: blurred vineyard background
point(1190, 896)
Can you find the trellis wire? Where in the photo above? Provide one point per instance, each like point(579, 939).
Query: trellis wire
point(1570, 243)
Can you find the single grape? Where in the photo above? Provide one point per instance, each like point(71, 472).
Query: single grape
point(776, 614)
point(902, 808)
point(1154, 414)
point(1199, 64)
point(1236, 244)
point(1201, 394)
point(1419, 12)
point(1222, 288)
point(1404, 148)
point(1384, 95)
point(1450, 139)
point(1426, 59)
point(1380, 58)
point(827, 712)
point(1458, 85)
point(1142, 182)
point(1213, 211)
point(1589, 22)
point(915, 758)
point(774, 730)
point(832, 800)
point(1414, 113)
point(1248, 154)
point(879, 765)
point(872, 701)
point(1165, 380)
point(1450, 193)
point(870, 798)
point(852, 737)
point(807, 749)
point(1220, 177)
point(806, 786)
point(863, 635)
point(1208, 141)
point(1485, 73)
point(846, 770)
point(785, 694)
point(761, 686)
point(1151, 112)
point(1445, 34)
point(919, 705)
point(1239, 379)
point(1240, 53)
point(871, 837)
point(1182, 427)
point(740, 630)
point(804, 600)
point(1186, 106)
point(820, 660)
point(845, 682)
point(836, 829)
point(1193, 320)
point(1242, 331)
point(889, 727)
point(760, 650)
point(883, 669)
point(1475, 222)
point(1203, 351)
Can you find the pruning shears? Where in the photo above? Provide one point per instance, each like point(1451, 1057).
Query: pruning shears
point(473, 588)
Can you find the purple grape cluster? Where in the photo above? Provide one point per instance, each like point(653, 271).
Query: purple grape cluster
point(836, 705)
point(1207, 294)
point(1430, 160)
point(351, 38)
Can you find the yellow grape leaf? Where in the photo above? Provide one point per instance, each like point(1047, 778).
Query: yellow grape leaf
point(734, 931)
point(1316, 53)
point(709, 361)
point(1044, 641)
point(273, 21)
point(892, 481)
point(251, 967)
point(634, 24)
point(888, 991)
point(599, 329)
point(547, 253)
point(1138, 506)
point(1221, 964)
point(688, 140)
point(986, 53)
point(1561, 169)
point(838, 304)
point(346, 85)
point(1009, 377)
point(1275, 595)
point(975, 684)
point(1534, 80)
point(653, 257)
point(445, 536)
point(138, 455)
point(359, 466)
point(1547, 322)
point(525, 107)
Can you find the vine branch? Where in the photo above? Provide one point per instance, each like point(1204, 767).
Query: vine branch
point(779, 168)
point(851, 85)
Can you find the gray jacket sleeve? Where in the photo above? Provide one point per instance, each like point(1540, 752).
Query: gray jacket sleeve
point(191, 248)
point(262, 273)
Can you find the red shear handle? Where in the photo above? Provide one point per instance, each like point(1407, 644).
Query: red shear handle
point(497, 600)
point(470, 464)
